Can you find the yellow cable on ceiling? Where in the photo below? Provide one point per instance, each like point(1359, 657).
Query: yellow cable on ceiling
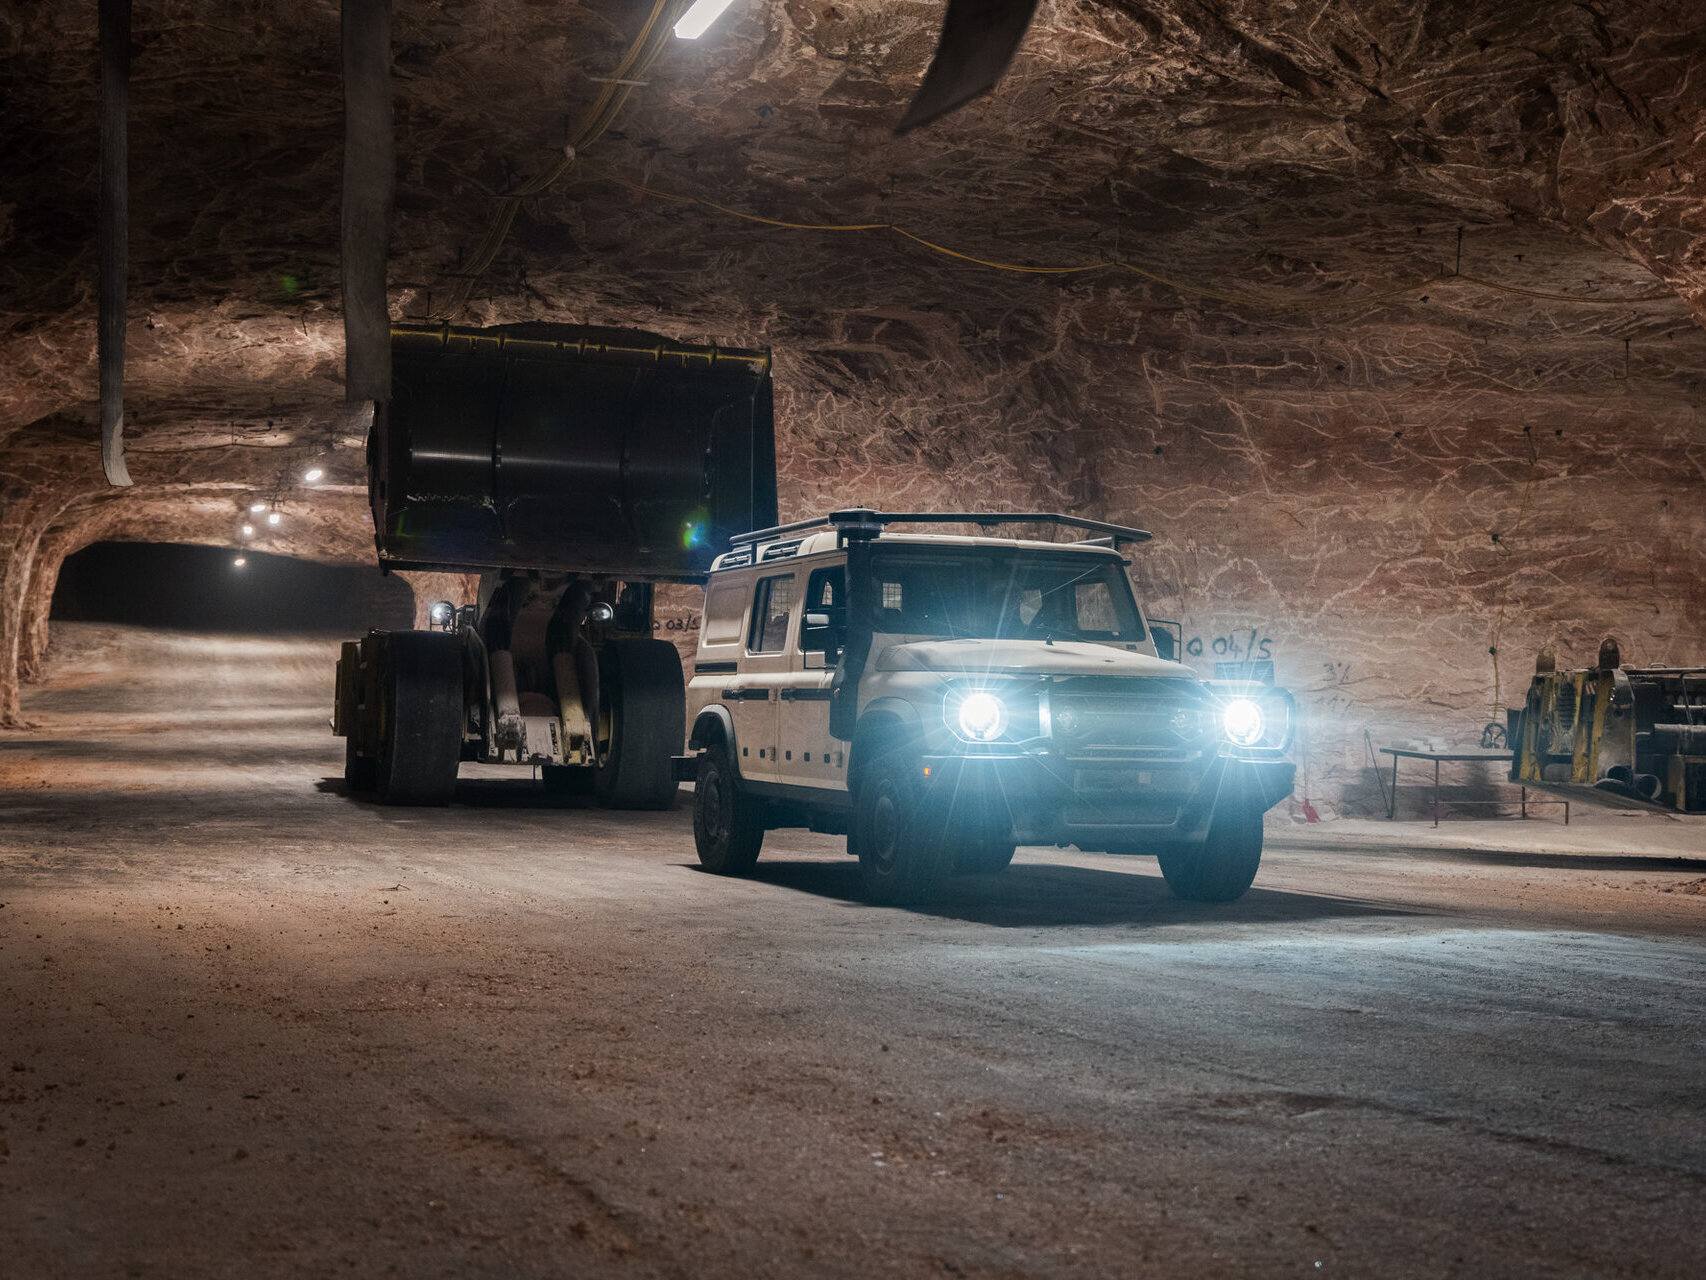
point(598, 172)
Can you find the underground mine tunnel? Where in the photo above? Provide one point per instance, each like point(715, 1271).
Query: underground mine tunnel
point(490, 784)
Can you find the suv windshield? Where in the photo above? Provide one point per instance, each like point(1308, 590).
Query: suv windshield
point(996, 593)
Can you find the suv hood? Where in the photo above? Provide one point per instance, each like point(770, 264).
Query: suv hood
point(1025, 657)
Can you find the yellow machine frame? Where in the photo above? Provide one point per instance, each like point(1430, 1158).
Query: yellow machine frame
point(1635, 733)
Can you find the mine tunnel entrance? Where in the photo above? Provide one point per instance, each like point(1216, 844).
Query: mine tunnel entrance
point(195, 588)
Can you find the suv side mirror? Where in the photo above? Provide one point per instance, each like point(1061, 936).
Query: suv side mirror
point(1167, 637)
point(818, 633)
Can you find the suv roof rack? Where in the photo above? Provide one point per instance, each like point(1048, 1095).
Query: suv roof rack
point(859, 524)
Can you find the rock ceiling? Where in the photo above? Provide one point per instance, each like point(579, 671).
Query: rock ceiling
point(1336, 254)
point(1270, 152)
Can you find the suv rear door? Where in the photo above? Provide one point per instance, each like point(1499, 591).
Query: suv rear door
point(751, 695)
point(809, 755)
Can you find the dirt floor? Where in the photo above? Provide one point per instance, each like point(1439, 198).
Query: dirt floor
point(251, 1026)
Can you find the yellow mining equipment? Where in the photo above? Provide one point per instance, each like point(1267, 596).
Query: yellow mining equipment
point(1629, 734)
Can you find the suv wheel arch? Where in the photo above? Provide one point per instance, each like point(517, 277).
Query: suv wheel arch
point(879, 732)
point(713, 724)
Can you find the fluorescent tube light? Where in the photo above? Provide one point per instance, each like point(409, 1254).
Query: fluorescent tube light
point(697, 20)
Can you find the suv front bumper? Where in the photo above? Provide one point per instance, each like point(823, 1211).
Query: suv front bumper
point(1100, 804)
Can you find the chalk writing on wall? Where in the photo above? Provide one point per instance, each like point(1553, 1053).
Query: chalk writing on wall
point(1235, 646)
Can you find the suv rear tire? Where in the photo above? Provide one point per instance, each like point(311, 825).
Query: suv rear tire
point(1223, 866)
point(728, 825)
point(903, 856)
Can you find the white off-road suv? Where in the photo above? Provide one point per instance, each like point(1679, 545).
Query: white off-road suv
point(941, 698)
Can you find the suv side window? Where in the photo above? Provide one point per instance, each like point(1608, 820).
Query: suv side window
point(725, 603)
point(770, 610)
point(826, 601)
point(826, 593)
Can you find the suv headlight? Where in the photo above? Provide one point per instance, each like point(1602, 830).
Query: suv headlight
point(1243, 721)
point(978, 716)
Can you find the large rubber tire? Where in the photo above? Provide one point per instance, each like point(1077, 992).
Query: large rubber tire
point(728, 824)
point(420, 717)
point(903, 855)
point(361, 773)
point(1223, 866)
point(642, 686)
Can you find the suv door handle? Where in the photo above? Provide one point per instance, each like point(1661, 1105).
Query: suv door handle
point(746, 695)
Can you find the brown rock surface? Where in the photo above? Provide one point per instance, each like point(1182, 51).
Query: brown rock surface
point(1388, 416)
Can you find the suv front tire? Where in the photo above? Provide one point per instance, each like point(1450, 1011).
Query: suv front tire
point(1223, 866)
point(903, 857)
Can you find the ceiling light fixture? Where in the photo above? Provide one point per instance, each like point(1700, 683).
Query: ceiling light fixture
point(248, 531)
point(272, 517)
point(239, 562)
point(697, 20)
point(313, 475)
point(257, 506)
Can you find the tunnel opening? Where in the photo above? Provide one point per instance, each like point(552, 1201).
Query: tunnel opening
point(172, 586)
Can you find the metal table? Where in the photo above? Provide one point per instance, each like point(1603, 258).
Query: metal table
point(1439, 757)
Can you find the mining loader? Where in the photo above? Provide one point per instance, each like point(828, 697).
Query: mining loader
point(574, 468)
point(1632, 736)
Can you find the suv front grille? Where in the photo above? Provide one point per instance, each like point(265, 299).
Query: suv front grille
point(1093, 717)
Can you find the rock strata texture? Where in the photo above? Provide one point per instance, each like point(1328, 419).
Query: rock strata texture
point(1389, 323)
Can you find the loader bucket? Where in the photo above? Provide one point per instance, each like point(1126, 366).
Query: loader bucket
point(569, 448)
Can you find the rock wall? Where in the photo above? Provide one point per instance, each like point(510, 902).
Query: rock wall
point(1399, 517)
